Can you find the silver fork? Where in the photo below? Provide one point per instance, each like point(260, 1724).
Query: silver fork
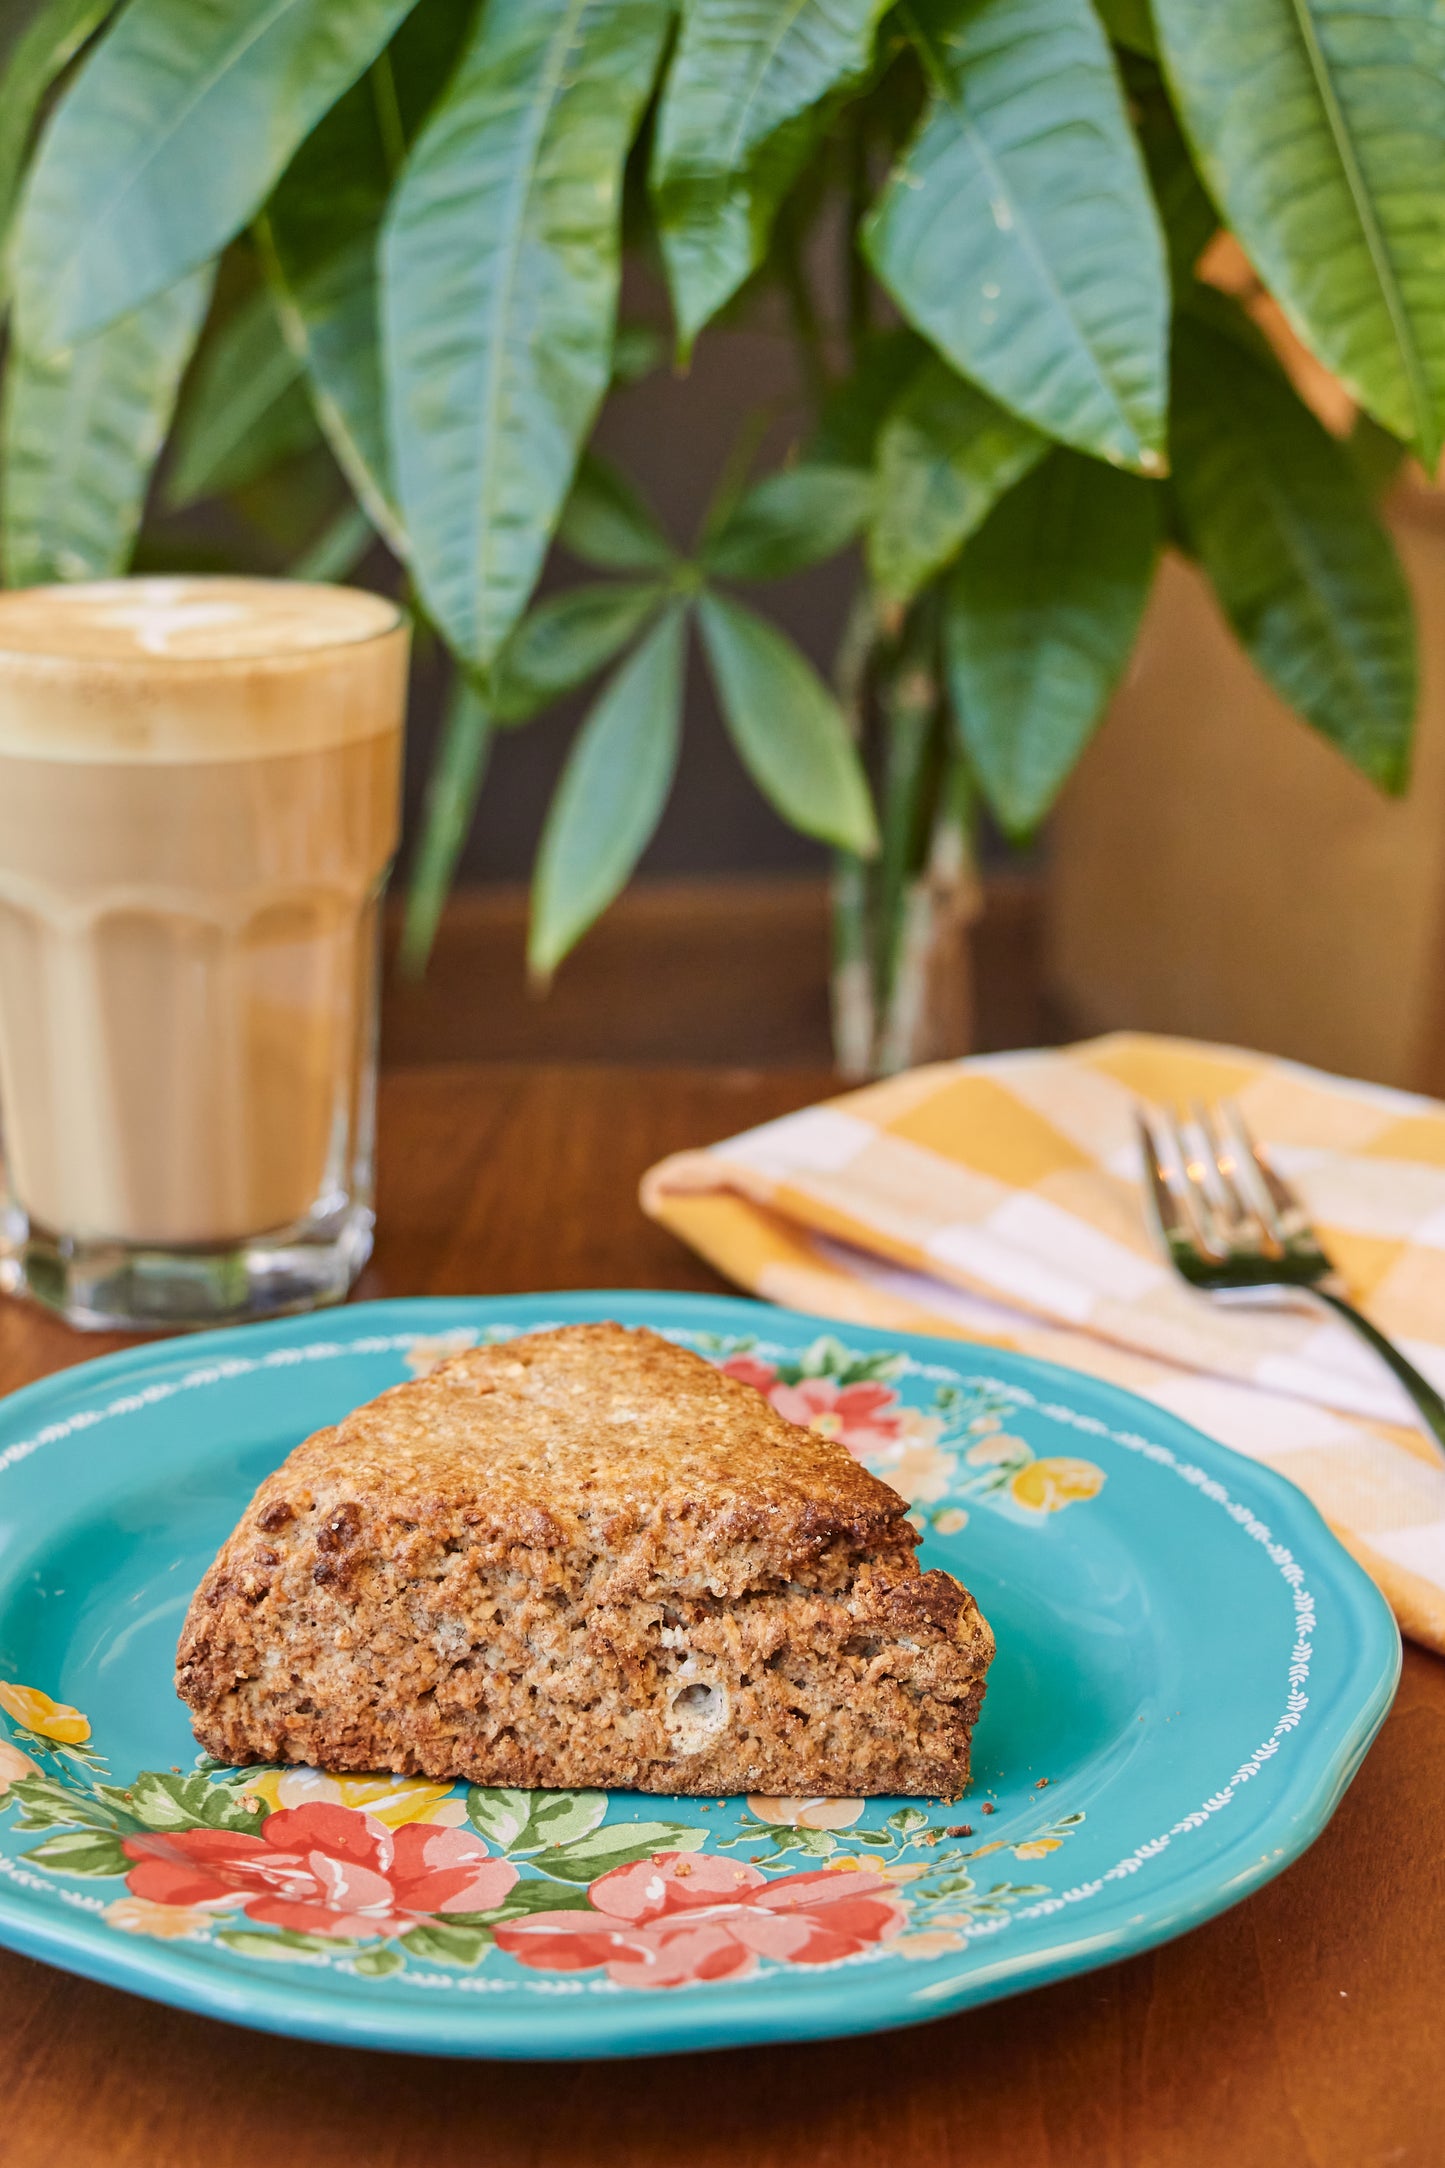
point(1236, 1230)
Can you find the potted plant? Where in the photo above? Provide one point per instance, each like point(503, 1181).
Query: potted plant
point(984, 218)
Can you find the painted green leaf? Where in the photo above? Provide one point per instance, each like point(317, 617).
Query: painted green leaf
point(161, 1800)
point(523, 1898)
point(80, 1851)
point(171, 136)
point(1041, 613)
point(1018, 232)
point(46, 1803)
point(1283, 526)
point(440, 1942)
point(789, 521)
point(1319, 126)
point(787, 727)
point(621, 1845)
point(565, 640)
point(561, 1817)
point(500, 265)
point(244, 411)
point(498, 1812)
point(81, 433)
point(607, 804)
point(736, 123)
point(946, 454)
point(43, 51)
point(378, 1964)
point(458, 770)
point(281, 1947)
point(605, 523)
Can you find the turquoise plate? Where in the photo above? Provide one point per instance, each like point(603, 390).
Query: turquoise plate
point(1189, 1671)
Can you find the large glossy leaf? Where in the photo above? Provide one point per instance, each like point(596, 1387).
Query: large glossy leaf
point(789, 521)
point(566, 640)
point(856, 409)
point(1129, 23)
point(44, 49)
point(610, 798)
point(321, 231)
point(171, 135)
point(1282, 523)
point(946, 454)
point(1319, 126)
point(1040, 616)
point(1019, 234)
point(500, 260)
point(787, 727)
point(734, 127)
point(244, 410)
point(82, 431)
point(458, 769)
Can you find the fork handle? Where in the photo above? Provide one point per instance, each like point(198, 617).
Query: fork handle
point(1429, 1403)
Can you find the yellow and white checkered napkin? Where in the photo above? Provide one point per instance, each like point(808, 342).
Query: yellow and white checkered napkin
point(999, 1199)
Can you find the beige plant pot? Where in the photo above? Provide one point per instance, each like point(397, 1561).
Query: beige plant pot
point(1218, 870)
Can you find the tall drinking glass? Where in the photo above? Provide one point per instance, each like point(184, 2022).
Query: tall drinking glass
point(199, 783)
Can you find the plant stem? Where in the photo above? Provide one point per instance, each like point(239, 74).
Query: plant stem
point(807, 326)
point(852, 973)
point(857, 291)
point(910, 711)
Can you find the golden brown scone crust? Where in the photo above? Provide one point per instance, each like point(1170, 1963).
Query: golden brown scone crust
point(585, 1557)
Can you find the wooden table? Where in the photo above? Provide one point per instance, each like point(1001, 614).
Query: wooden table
point(1304, 2029)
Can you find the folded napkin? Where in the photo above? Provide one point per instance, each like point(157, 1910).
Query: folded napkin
point(999, 1199)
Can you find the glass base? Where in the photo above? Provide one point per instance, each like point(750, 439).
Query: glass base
point(105, 1286)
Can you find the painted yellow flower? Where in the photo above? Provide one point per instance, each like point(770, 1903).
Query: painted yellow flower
point(1037, 1848)
point(991, 1452)
point(13, 1766)
point(950, 1520)
point(981, 1851)
point(983, 1423)
point(37, 1712)
point(901, 1870)
point(934, 1944)
point(1047, 1486)
point(392, 1800)
point(922, 1473)
point(141, 1916)
point(807, 1813)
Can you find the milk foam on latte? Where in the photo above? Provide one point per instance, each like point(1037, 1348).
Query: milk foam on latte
point(198, 806)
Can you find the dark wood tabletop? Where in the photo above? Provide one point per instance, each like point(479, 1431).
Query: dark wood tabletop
point(1304, 2029)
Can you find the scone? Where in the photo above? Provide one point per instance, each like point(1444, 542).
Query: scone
point(585, 1558)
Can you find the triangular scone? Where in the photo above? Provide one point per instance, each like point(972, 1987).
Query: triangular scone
point(586, 1557)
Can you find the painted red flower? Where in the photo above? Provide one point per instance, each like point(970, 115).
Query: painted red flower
point(867, 1417)
point(751, 1371)
point(322, 1870)
point(684, 1916)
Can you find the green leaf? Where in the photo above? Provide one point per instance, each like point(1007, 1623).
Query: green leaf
point(946, 454)
point(338, 549)
point(500, 264)
point(1129, 23)
point(499, 1813)
point(171, 135)
point(1283, 526)
point(82, 431)
point(377, 1964)
point(621, 1845)
point(244, 411)
point(1319, 126)
point(789, 521)
point(1019, 233)
point(458, 769)
point(1040, 617)
point(907, 1820)
point(47, 1803)
point(611, 794)
point(80, 1851)
point(42, 53)
point(522, 1899)
point(442, 1943)
point(282, 1946)
point(565, 640)
point(855, 410)
point(735, 125)
point(606, 524)
point(560, 1817)
point(1189, 219)
point(787, 727)
point(158, 1800)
